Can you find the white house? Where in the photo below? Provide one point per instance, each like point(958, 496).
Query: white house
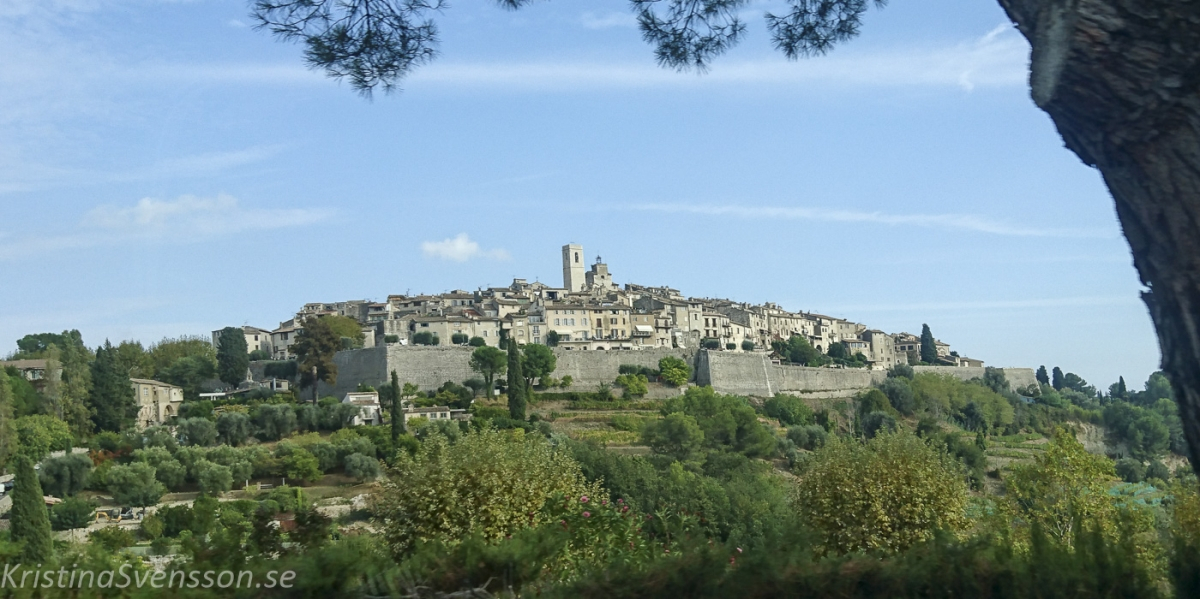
point(369, 412)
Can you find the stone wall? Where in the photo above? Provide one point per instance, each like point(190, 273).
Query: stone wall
point(590, 368)
point(1017, 377)
point(728, 372)
point(755, 374)
point(429, 366)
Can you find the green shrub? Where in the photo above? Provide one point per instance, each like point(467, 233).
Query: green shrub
point(65, 475)
point(788, 409)
point(361, 467)
point(74, 512)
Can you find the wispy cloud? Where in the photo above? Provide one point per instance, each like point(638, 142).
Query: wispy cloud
point(606, 20)
point(1055, 302)
point(460, 249)
point(998, 59)
point(960, 222)
point(183, 220)
point(17, 175)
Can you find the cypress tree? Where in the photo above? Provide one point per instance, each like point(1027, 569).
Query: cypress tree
point(233, 356)
point(397, 412)
point(113, 405)
point(1056, 379)
point(30, 520)
point(1042, 377)
point(1121, 389)
point(8, 430)
point(516, 383)
point(928, 348)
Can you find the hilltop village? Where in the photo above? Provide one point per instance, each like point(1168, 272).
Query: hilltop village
point(590, 312)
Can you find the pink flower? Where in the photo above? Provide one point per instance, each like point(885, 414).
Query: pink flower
point(583, 499)
point(732, 559)
point(603, 502)
point(624, 508)
point(620, 501)
point(587, 514)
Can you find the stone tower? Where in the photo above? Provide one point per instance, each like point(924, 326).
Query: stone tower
point(572, 261)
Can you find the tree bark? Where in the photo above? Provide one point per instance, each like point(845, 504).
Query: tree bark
point(1121, 81)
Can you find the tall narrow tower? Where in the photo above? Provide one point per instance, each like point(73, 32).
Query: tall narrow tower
point(572, 258)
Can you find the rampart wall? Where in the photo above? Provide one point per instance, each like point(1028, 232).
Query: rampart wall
point(728, 372)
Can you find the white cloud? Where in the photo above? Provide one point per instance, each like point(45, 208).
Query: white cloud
point(460, 249)
point(183, 220)
point(961, 222)
point(998, 59)
point(607, 20)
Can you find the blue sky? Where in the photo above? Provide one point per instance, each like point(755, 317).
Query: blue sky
point(167, 170)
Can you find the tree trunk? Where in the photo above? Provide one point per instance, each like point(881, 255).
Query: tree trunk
point(1121, 81)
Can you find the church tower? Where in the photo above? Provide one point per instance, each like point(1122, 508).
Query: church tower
point(572, 261)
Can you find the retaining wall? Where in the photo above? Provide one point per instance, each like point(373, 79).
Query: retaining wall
point(728, 372)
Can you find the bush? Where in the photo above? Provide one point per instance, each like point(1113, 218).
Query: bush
point(65, 475)
point(789, 410)
point(425, 338)
point(197, 431)
point(196, 409)
point(38, 435)
point(1130, 470)
point(74, 512)
point(730, 346)
point(112, 538)
point(878, 422)
point(675, 372)
point(361, 467)
point(459, 338)
point(900, 394)
point(901, 371)
point(810, 437)
point(464, 495)
point(167, 470)
point(635, 385)
point(747, 345)
point(884, 495)
point(302, 465)
point(391, 338)
point(275, 421)
point(134, 485)
point(711, 344)
point(1158, 471)
point(477, 342)
point(326, 454)
point(233, 428)
point(213, 478)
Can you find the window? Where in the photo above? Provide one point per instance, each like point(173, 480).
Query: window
point(576, 257)
point(612, 321)
point(555, 321)
point(536, 330)
point(537, 339)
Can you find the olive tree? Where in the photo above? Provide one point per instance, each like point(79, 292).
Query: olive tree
point(446, 491)
point(886, 494)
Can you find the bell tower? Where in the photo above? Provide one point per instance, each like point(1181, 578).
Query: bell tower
point(572, 261)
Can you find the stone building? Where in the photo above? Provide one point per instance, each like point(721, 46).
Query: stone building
point(882, 351)
point(158, 402)
point(256, 339)
point(369, 411)
point(572, 263)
